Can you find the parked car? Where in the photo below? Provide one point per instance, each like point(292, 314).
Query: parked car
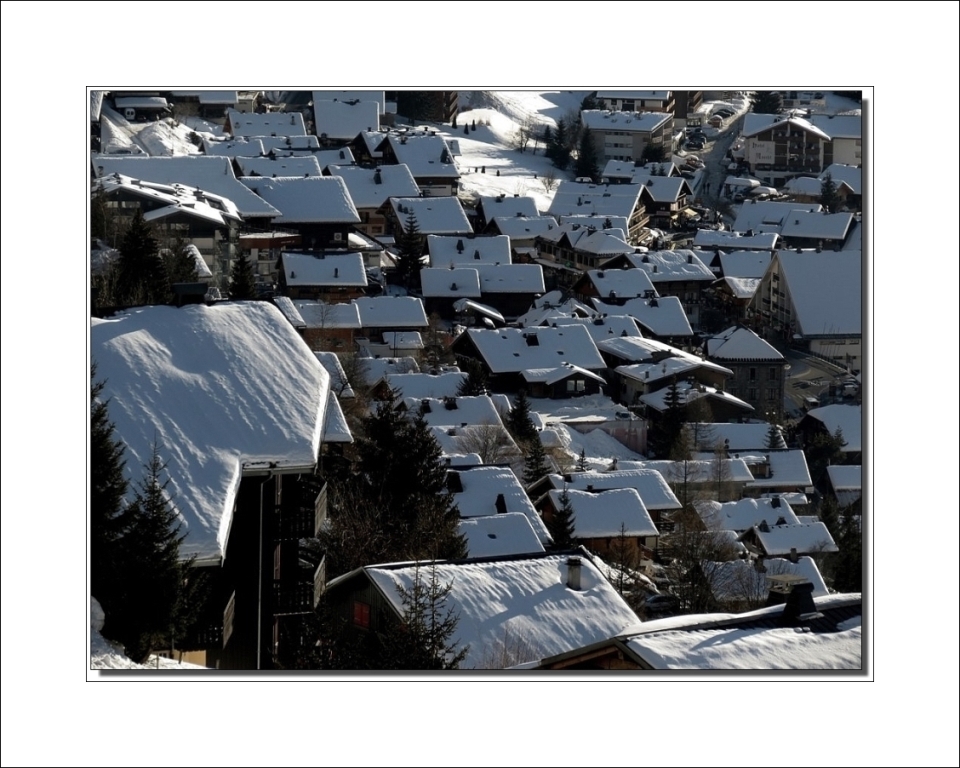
point(695, 144)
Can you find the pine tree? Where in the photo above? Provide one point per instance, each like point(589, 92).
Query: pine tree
point(557, 149)
point(829, 197)
point(243, 286)
point(409, 252)
point(534, 463)
point(848, 574)
point(582, 465)
point(519, 423)
point(108, 487)
point(180, 265)
point(653, 153)
point(161, 594)
point(768, 102)
point(476, 382)
point(664, 431)
point(561, 525)
point(425, 637)
point(587, 160)
point(141, 277)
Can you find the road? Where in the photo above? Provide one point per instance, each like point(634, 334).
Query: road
point(807, 377)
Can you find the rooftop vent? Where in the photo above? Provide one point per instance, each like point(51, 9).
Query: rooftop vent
point(574, 566)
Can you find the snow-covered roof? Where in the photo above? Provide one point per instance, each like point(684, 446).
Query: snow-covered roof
point(748, 641)
point(453, 283)
point(576, 198)
point(600, 327)
point(710, 238)
point(511, 278)
point(290, 311)
point(803, 185)
point(208, 97)
point(457, 411)
point(223, 390)
point(741, 580)
point(523, 602)
point(435, 215)
point(339, 156)
point(302, 165)
point(668, 368)
point(266, 123)
point(702, 470)
point(425, 155)
point(745, 264)
point(343, 120)
point(511, 350)
point(242, 147)
point(524, 227)
point(742, 437)
point(141, 102)
point(740, 343)
point(561, 372)
point(662, 316)
point(845, 478)
point(669, 266)
point(626, 122)
point(769, 215)
point(633, 95)
point(425, 385)
point(500, 535)
point(481, 487)
point(620, 283)
point(826, 226)
point(211, 174)
point(391, 312)
point(825, 291)
point(335, 428)
point(394, 181)
point(289, 145)
point(373, 369)
point(317, 314)
point(780, 539)
point(688, 392)
point(343, 270)
point(839, 126)
point(445, 250)
point(647, 482)
point(635, 348)
point(742, 287)
point(355, 95)
point(171, 199)
point(851, 175)
point(601, 515)
point(403, 340)
point(787, 468)
point(502, 205)
point(306, 199)
point(744, 514)
point(339, 383)
point(847, 418)
point(664, 189)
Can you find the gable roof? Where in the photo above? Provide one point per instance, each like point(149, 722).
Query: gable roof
point(424, 154)
point(847, 418)
point(756, 123)
point(306, 199)
point(744, 437)
point(339, 383)
point(574, 198)
point(482, 485)
point(745, 264)
point(462, 411)
point(668, 266)
point(787, 468)
point(601, 515)
point(265, 124)
point(825, 291)
point(511, 278)
point(435, 215)
point(500, 535)
point(242, 147)
point(468, 251)
point(391, 312)
point(839, 126)
point(826, 226)
point(171, 200)
point(421, 385)
point(846, 482)
point(739, 343)
point(344, 270)
point(176, 376)
point(502, 205)
point(743, 514)
point(302, 165)
point(343, 120)
point(395, 181)
point(781, 539)
point(450, 282)
point(647, 482)
point(760, 241)
point(668, 368)
point(525, 600)
point(663, 316)
point(688, 392)
point(851, 175)
point(511, 350)
point(524, 227)
point(317, 314)
point(664, 189)
point(620, 283)
point(769, 215)
point(211, 174)
point(600, 327)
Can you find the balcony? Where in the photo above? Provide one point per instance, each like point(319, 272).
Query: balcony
point(302, 593)
point(304, 509)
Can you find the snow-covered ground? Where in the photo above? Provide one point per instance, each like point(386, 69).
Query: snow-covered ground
point(105, 654)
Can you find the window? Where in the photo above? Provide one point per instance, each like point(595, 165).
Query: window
point(773, 374)
point(361, 615)
point(752, 394)
point(771, 393)
point(753, 374)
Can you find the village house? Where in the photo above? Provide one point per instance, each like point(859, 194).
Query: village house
point(328, 277)
point(427, 156)
point(490, 207)
point(370, 190)
point(661, 318)
point(239, 124)
point(627, 201)
point(337, 122)
point(759, 370)
point(629, 135)
point(778, 147)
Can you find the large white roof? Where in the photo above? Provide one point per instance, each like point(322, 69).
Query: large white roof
point(739, 343)
point(391, 312)
point(424, 154)
point(223, 390)
point(621, 283)
point(482, 485)
point(500, 535)
point(825, 291)
point(847, 418)
point(630, 122)
point(395, 181)
point(435, 215)
point(266, 124)
point(525, 601)
point(452, 283)
point(805, 537)
point(317, 314)
point(601, 515)
point(744, 514)
point(306, 199)
point(524, 227)
point(511, 278)
point(648, 483)
point(339, 270)
point(344, 120)
point(745, 264)
point(355, 95)
point(301, 165)
point(662, 316)
point(421, 385)
point(769, 216)
point(709, 238)
point(501, 205)
point(445, 250)
point(576, 198)
point(511, 350)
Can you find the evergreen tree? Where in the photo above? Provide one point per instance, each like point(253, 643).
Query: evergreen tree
point(823, 450)
point(476, 382)
point(589, 102)
point(534, 463)
point(774, 439)
point(587, 159)
point(561, 525)
point(768, 102)
point(180, 265)
point(409, 252)
point(108, 487)
point(829, 197)
point(653, 153)
point(161, 594)
point(582, 465)
point(557, 146)
point(243, 286)
point(141, 277)
point(519, 423)
point(664, 431)
point(848, 574)
point(425, 638)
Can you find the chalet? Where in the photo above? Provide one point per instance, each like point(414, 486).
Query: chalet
point(390, 314)
point(337, 122)
point(632, 382)
point(608, 521)
point(239, 124)
point(522, 231)
point(829, 637)
point(666, 200)
point(511, 609)
point(371, 189)
point(846, 136)
point(723, 406)
point(245, 480)
point(332, 278)
point(614, 285)
point(506, 353)
point(427, 156)
point(318, 208)
point(432, 216)
point(846, 484)
point(263, 250)
point(812, 300)
point(828, 419)
point(742, 514)
point(624, 200)
point(741, 273)
point(776, 472)
point(571, 247)
point(490, 207)
point(778, 147)
point(662, 318)
point(759, 370)
point(565, 380)
point(629, 135)
point(788, 540)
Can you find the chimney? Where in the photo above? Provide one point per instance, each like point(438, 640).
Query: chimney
point(775, 502)
point(793, 558)
point(501, 504)
point(573, 573)
point(800, 606)
point(689, 258)
point(589, 487)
